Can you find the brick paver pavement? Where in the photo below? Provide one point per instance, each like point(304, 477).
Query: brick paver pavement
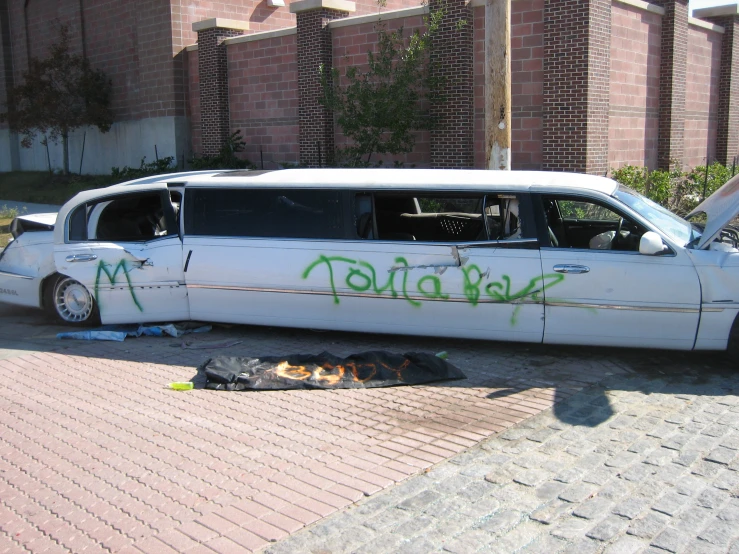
point(642, 463)
point(97, 455)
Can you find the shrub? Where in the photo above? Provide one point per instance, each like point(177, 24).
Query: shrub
point(10, 213)
point(697, 179)
point(381, 106)
point(226, 159)
point(163, 165)
point(676, 190)
point(655, 185)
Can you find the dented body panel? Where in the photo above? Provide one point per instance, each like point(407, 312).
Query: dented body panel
point(24, 264)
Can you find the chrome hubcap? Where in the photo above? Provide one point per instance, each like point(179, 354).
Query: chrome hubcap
point(73, 302)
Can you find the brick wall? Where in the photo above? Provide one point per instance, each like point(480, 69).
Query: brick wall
point(576, 86)
point(599, 77)
point(701, 96)
point(263, 92)
point(130, 41)
point(260, 16)
point(314, 49)
point(527, 87)
point(451, 137)
point(213, 80)
point(193, 100)
point(117, 52)
point(727, 146)
point(6, 59)
point(585, 74)
point(674, 53)
point(43, 20)
point(634, 95)
point(350, 46)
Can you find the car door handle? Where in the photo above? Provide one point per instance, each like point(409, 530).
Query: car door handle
point(571, 268)
point(81, 258)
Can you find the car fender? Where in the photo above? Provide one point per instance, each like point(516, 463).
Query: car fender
point(24, 265)
point(719, 276)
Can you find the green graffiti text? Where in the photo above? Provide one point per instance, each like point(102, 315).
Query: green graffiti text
point(361, 277)
point(111, 275)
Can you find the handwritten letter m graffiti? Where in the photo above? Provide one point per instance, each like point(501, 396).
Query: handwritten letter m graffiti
point(121, 267)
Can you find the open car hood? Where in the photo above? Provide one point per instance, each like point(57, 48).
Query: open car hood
point(720, 208)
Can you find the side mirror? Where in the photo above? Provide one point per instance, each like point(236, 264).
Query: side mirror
point(651, 244)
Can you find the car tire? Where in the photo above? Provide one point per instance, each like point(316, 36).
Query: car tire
point(69, 302)
point(732, 348)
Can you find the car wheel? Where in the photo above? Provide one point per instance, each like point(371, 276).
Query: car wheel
point(70, 302)
point(732, 349)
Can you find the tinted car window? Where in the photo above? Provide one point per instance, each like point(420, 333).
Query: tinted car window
point(271, 213)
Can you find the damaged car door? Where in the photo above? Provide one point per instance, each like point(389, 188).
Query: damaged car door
point(125, 252)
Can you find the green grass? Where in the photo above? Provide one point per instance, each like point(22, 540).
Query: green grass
point(5, 219)
point(42, 187)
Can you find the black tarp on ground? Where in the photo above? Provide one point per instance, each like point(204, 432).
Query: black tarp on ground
point(326, 371)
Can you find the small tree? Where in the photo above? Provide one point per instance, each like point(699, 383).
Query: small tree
point(381, 107)
point(59, 94)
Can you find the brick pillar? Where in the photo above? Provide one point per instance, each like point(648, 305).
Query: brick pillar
point(672, 78)
point(213, 74)
point(7, 82)
point(452, 56)
point(315, 48)
point(577, 64)
point(727, 141)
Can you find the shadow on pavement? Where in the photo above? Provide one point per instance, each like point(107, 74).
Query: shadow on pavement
point(676, 373)
point(647, 370)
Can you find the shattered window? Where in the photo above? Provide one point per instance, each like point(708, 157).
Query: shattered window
point(265, 213)
point(448, 217)
point(129, 218)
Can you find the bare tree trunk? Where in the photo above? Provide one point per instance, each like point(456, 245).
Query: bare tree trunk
point(498, 84)
point(65, 146)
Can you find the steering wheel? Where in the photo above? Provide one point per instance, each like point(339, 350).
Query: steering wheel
point(617, 237)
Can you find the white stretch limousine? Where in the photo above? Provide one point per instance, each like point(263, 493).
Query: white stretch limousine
point(524, 256)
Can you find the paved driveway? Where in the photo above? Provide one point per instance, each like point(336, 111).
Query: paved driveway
point(97, 455)
point(644, 462)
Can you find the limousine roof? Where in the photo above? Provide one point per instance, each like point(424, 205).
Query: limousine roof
point(365, 179)
point(427, 179)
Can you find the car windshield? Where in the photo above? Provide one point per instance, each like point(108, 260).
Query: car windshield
point(672, 225)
